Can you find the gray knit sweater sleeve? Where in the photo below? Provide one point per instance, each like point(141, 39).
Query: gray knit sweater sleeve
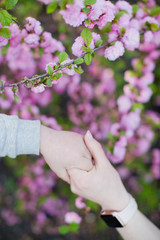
point(18, 136)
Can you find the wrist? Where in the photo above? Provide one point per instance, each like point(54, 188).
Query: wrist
point(118, 204)
point(44, 134)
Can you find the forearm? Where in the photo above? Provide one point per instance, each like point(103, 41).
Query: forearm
point(138, 228)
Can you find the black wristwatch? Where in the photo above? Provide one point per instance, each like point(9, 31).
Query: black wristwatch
point(116, 219)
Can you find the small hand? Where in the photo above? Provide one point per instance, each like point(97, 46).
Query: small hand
point(63, 150)
point(102, 184)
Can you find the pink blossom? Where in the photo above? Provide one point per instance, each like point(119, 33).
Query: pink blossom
point(96, 10)
point(131, 120)
point(124, 104)
point(38, 89)
point(76, 47)
point(73, 15)
point(149, 20)
point(119, 152)
point(18, 56)
point(142, 146)
point(131, 39)
point(123, 5)
point(32, 25)
point(115, 51)
point(157, 38)
point(148, 36)
point(69, 71)
point(123, 21)
point(79, 203)
point(16, 35)
point(72, 217)
point(145, 80)
point(140, 13)
point(122, 142)
point(96, 37)
point(3, 41)
point(32, 40)
point(41, 218)
point(115, 129)
point(134, 23)
point(50, 44)
point(144, 95)
point(109, 11)
point(112, 36)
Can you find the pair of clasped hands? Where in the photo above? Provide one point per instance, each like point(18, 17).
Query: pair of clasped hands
point(80, 161)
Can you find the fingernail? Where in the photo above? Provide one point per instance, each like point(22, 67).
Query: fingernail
point(89, 135)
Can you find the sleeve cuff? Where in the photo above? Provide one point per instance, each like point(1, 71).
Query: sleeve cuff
point(28, 137)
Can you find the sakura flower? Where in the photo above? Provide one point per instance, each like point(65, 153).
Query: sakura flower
point(131, 121)
point(38, 89)
point(72, 217)
point(131, 39)
point(32, 40)
point(32, 25)
point(73, 15)
point(109, 11)
point(76, 47)
point(115, 51)
point(96, 10)
point(79, 203)
point(123, 5)
point(124, 104)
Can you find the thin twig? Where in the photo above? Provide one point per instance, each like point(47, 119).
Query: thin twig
point(56, 70)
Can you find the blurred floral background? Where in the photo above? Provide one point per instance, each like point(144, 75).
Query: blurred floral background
point(34, 203)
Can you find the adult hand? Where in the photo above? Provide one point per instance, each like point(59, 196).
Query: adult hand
point(102, 184)
point(63, 150)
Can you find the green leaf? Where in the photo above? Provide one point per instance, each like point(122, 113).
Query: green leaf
point(155, 11)
point(63, 229)
point(56, 76)
point(10, 4)
point(154, 27)
point(87, 36)
point(5, 32)
point(98, 43)
point(107, 28)
point(4, 50)
point(52, 6)
point(49, 82)
point(85, 10)
point(16, 98)
point(79, 70)
point(87, 21)
point(89, 2)
point(110, 136)
point(78, 61)
point(74, 227)
point(50, 70)
point(62, 57)
point(84, 49)
point(88, 59)
point(64, 2)
point(5, 18)
point(137, 105)
point(135, 8)
point(120, 14)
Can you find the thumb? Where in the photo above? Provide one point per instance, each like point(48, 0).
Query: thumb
point(95, 149)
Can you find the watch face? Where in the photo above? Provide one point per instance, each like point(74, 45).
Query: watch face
point(111, 221)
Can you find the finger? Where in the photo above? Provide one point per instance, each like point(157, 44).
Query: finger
point(95, 149)
point(78, 180)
